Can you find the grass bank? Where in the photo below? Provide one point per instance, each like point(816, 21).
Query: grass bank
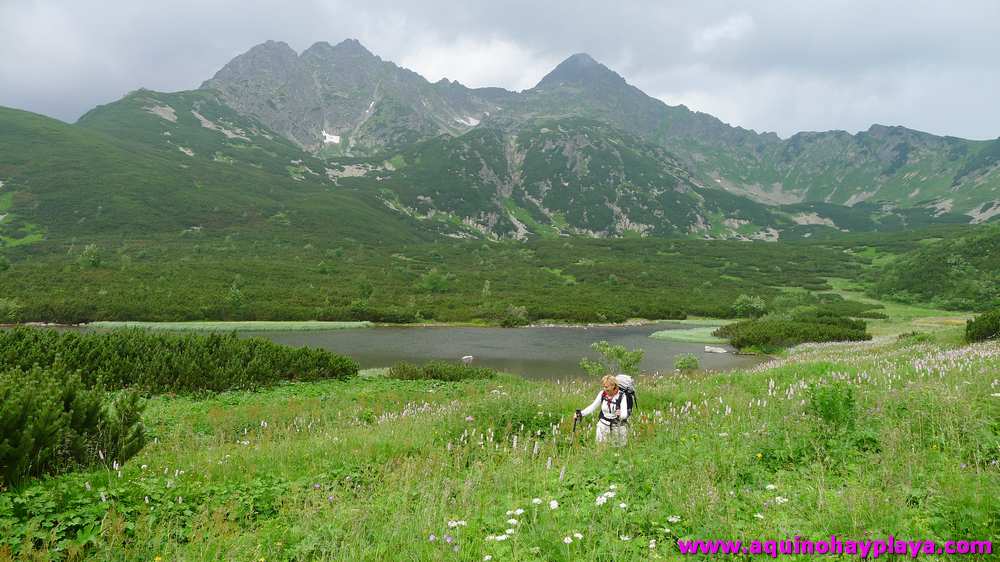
point(234, 326)
point(700, 331)
point(861, 440)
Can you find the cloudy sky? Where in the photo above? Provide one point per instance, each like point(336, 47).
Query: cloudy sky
point(780, 65)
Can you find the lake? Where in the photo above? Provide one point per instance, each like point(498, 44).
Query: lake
point(533, 352)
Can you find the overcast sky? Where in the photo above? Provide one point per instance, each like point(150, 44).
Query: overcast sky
point(779, 65)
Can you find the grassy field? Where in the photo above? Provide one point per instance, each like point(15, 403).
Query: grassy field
point(700, 331)
point(235, 326)
point(861, 440)
point(902, 317)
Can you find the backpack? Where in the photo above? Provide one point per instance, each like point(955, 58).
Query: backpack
point(627, 386)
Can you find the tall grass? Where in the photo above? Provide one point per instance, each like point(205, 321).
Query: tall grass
point(860, 440)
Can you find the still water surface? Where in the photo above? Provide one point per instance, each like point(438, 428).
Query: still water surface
point(534, 352)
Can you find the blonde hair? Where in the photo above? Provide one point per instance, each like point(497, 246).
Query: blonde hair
point(609, 378)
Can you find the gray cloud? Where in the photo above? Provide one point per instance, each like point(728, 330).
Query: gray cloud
point(783, 65)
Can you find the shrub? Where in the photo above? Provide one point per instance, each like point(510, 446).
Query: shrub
point(135, 358)
point(514, 316)
point(771, 333)
point(439, 370)
point(983, 327)
point(910, 338)
point(50, 421)
point(747, 306)
point(614, 359)
point(686, 362)
point(835, 405)
point(10, 310)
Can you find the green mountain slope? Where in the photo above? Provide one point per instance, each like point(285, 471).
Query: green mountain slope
point(170, 173)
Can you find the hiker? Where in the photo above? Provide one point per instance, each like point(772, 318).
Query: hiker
point(614, 408)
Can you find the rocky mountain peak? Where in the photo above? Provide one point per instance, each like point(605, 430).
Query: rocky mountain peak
point(580, 69)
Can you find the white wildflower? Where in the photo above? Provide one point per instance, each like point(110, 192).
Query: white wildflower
point(578, 536)
point(674, 518)
point(770, 487)
point(487, 558)
point(553, 504)
point(780, 500)
point(758, 515)
point(536, 501)
point(625, 537)
point(501, 537)
point(509, 532)
point(518, 511)
point(601, 500)
point(623, 505)
point(568, 540)
point(512, 521)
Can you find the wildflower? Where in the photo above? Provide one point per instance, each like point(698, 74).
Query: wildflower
point(510, 512)
point(536, 501)
point(770, 487)
point(502, 537)
point(279, 544)
point(578, 536)
point(674, 518)
point(449, 539)
point(87, 486)
point(758, 515)
point(780, 500)
point(512, 521)
point(104, 498)
point(613, 487)
point(100, 454)
point(509, 532)
point(487, 558)
point(146, 499)
point(469, 418)
point(114, 465)
point(432, 538)
point(601, 500)
point(144, 467)
point(652, 544)
point(553, 504)
point(759, 456)
point(263, 424)
point(623, 505)
point(157, 558)
point(625, 537)
point(329, 498)
point(610, 494)
point(518, 511)
point(568, 540)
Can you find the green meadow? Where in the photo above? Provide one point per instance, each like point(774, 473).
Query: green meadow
point(894, 436)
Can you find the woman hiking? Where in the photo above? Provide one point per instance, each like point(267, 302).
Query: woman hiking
point(613, 423)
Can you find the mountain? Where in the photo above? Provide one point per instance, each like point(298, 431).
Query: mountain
point(343, 100)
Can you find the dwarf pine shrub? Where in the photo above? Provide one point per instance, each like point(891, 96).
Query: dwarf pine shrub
point(984, 327)
point(686, 362)
point(134, 358)
point(439, 370)
point(50, 421)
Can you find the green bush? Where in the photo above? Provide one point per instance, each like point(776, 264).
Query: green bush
point(686, 362)
point(835, 405)
point(514, 316)
point(983, 327)
point(914, 338)
point(439, 370)
point(749, 306)
point(152, 362)
point(50, 421)
point(10, 310)
point(772, 333)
